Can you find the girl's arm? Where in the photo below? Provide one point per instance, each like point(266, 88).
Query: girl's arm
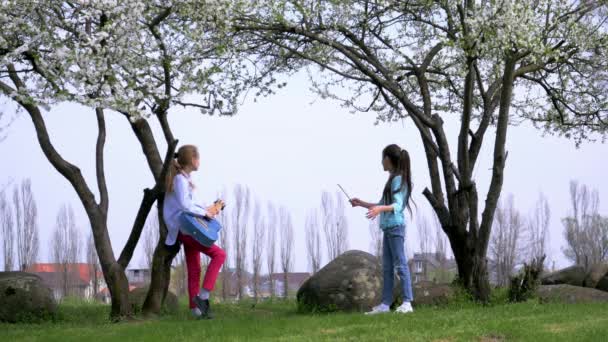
point(396, 206)
point(355, 202)
point(377, 209)
point(182, 194)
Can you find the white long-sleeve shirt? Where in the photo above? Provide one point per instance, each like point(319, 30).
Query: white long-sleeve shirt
point(181, 199)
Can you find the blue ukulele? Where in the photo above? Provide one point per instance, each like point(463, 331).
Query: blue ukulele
point(203, 229)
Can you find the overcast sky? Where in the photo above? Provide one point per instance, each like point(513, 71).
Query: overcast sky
point(287, 149)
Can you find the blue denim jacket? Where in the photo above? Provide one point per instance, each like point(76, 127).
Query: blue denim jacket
point(394, 218)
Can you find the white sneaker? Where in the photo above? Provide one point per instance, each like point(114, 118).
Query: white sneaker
point(406, 307)
point(382, 308)
point(196, 313)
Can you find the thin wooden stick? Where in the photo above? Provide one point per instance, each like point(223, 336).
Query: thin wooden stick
point(341, 188)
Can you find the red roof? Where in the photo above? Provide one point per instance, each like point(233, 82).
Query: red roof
point(84, 270)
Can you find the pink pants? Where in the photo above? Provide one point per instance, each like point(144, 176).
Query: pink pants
point(193, 262)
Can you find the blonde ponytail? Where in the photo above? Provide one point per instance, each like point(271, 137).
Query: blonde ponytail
point(182, 158)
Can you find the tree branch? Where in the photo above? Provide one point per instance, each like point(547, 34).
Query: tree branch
point(150, 196)
point(499, 157)
point(101, 179)
point(144, 134)
point(68, 170)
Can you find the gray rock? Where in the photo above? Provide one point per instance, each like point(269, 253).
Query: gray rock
point(564, 293)
point(573, 275)
point(595, 275)
point(137, 297)
point(24, 298)
point(429, 293)
point(602, 285)
point(351, 282)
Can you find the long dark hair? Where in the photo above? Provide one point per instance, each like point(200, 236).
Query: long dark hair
point(401, 161)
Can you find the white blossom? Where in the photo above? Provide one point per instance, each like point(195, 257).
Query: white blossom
point(108, 53)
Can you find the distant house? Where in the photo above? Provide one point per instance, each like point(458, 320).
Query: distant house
point(232, 282)
point(433, 267)
point(104, 294)
point(56, 280)
point(138, 277)
point(294, 281)
point(78, 279)
point(495, 278)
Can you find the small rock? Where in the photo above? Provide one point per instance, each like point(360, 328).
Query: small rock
point(429, 293)
point(137, 297)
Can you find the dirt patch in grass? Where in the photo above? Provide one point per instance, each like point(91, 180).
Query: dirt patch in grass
point(329, 331)
point(492, 338)
point(557, 328)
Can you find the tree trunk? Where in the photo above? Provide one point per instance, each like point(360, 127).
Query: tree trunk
point(469, 239)
point(64, 280)
point(118, 285)
point(481, 282)
point(160, 278)
point(472, 266)
point(113, 273)
point(161, 266)
point(163, 255)
point(255, 287)
point(96, 212)
point(272, 294)
point(225, 284)
point(285, 285)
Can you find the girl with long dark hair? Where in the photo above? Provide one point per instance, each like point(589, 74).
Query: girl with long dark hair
point(395, 198)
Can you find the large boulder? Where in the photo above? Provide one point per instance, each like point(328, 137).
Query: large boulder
point(429, 293)
point(595, 275)
point(137, 296)
point(573, 275)
point(351, 282)
point(603, 283)
point(571, 294)
point(24, 298)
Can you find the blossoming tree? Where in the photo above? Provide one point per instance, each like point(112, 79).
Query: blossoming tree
point(488, 63)
point(138, 59)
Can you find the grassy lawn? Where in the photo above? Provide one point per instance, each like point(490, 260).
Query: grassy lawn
point(279, 321)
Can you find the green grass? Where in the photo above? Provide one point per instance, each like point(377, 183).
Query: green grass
point(460, 321)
